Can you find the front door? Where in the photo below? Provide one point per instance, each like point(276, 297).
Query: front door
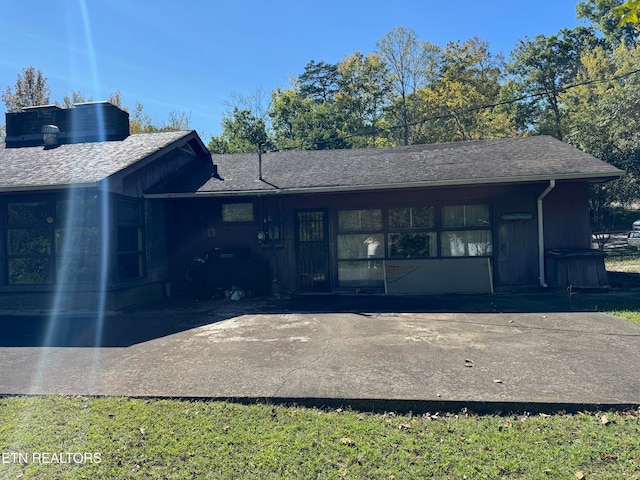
point(312, 250)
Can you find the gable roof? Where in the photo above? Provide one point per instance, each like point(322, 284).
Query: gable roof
point(83, 164)
point(516, 160)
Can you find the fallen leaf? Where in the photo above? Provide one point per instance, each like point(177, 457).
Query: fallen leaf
point(544, 415)
point(604, 420)
point(404, 426)
point(580, 475)
point(347, 441)
point(497, 381)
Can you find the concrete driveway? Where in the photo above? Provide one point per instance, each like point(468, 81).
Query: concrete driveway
point(405, 355)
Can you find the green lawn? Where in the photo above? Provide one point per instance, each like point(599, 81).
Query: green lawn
point(56, 437)
point(179, 439)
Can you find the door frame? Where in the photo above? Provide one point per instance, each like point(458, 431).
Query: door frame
point(319, 278)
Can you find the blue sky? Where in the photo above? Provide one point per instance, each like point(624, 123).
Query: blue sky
point(192, 55)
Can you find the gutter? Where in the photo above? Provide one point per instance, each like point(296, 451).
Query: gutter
point(543, 283)
point(387, 186)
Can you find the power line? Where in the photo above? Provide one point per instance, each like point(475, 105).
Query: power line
point(467, 111)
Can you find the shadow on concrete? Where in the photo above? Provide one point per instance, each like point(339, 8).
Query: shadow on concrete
point(169, 316)
point(87, 330)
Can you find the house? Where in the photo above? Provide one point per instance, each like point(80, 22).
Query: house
point(458, 217)
point(93, 216)
point(76, 230)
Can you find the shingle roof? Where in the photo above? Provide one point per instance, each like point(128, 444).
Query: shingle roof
point(488, 161)
point(77, 164)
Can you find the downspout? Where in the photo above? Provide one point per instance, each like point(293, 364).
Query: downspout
point(543, 283)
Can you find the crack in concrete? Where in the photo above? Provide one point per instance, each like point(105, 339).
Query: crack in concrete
point(307, 365)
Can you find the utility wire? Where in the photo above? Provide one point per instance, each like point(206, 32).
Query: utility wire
point(478, 108)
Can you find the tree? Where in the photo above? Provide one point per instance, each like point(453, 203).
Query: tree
point(470, 79)
point(363, 90)
point(178, 121)
point(31, 89)
point(605, 15)
point(628, 13)
point(241, 133)
point(599, 113)
point(319, 81)
point(68, 101)
point(303, 123)
point(412, 65)
point(542, 68)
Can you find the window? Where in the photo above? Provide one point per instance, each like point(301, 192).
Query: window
point(466, 231)
point(53, 240)
point(77, 240)
point(237, 212)
point(361, 248)
point(130, 256)
point(412, 232)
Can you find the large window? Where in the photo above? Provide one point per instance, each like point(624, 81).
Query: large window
point(412, 232)
point(466, 231)
point(53, 240)
point(367, 237)
point(361, 248)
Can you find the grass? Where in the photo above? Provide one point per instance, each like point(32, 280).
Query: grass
point(179, 439)
point(57, 437)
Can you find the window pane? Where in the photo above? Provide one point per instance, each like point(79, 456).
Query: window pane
point(466, 216)
point(28, 213)
point(361, 246)
point(29, 242)
point(78, 241)
point(411, 245)
point(359, 220)
point(470, 243)
point(412, 217)
point(361, 274)
point(29, 270)
point(237, 212)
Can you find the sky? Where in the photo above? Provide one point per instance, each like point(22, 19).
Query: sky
point(193, 56)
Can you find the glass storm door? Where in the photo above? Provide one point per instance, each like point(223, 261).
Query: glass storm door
point(312, 250)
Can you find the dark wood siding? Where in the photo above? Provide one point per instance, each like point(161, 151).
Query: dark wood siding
point(515, 241)
point(516, 238)
point(566, 217)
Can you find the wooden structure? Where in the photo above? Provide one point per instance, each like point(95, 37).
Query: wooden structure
point(91, 216)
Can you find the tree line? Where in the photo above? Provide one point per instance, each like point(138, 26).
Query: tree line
point(580, 85)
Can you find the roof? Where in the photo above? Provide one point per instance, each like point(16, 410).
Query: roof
point(80, 164)
point(526, 159)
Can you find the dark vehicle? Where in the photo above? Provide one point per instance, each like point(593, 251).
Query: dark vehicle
point(230, 272)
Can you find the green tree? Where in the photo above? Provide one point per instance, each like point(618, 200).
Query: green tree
point(599, 113)
point(605, 16)
point(542, 68)
point(31, 89)
point(412, 65)
point(319, 81)
point(470, 79)
point(241, 133)
point(363, 90)
point(627, 14)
